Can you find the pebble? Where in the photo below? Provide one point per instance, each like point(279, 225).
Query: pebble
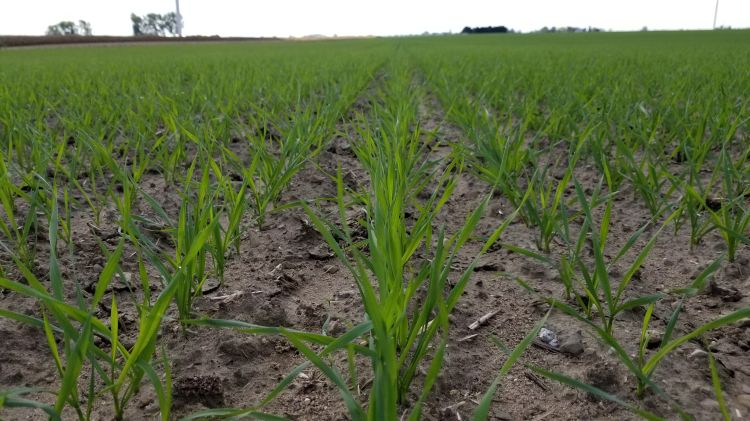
point(330, 269)
point(698, 353)
point(340, 295)
point(548, 337)
point(336, 328)
point(709, 404)
point(320, 252)
point(744, 400)
point(123, 283)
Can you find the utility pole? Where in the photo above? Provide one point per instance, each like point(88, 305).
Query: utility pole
point(179, 19)
point(716, 12)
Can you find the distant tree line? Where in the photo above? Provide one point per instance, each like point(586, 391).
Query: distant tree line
point(67, 28)
point(485, 30)
point(154, 24)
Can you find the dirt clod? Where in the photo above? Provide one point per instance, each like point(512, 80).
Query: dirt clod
point(572, 343)
point(206, 389)
point(320, 252)
point(246, 348)
point(603, 376)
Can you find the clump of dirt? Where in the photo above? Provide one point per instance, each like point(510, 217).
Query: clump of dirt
point(246, 348)
point(206, 389)
point(605, 376)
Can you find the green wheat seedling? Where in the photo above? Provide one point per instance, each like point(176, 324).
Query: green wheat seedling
point(270, 172)
point(499, 155)
point(716, 383)
point(648, 180)
point(401, 338)
point(399, 341)
point(497, 151)
point(608, 164)
point(589, 284)
point(599, 291)
point(196, 234)
point(18, 234)
point(275, 161)
point(641, 365)
point(701, 139)
point(543, 204)
point(89, 191)
point(395, 161)
point(196, 226)
point(13, 398)
point(406, 300)
point(70, 330)
point(235, 205)
point(691, 210)
point(543, 209)
point(64, 173)
point(732, 219)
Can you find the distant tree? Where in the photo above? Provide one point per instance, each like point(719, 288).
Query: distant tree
point(67, 28)
point(84, 28)
point(137, 24)
point(154, 24)
point(168, 24)
point(485, 30)
point(62, 28)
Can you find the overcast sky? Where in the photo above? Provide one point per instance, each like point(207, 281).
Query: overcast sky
point(284, 18)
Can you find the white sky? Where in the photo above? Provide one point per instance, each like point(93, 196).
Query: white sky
point(284, 18)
